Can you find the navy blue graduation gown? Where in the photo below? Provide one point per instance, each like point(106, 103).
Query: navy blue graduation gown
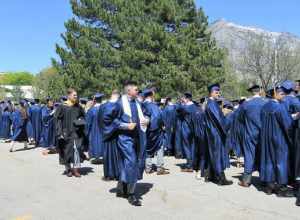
point(234, 130)
point(251, 119)
point(29, 128)
point(292, 104)
point(217, 157)
point(297, 148)
point(48, 128)
point(131, 145)
point(186, 114)
point(200, 141)
point(179, 152)
point(155, 135)
point(94, 133)
point(1, 110)
point(35, 117)
point(169, 119)
point(19, 126)
point(275, 142)
point(5, 130)
point(107, 113)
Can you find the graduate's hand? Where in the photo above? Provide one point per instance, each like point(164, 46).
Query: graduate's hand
point(296, 116)
point(144, 122)
point(131, 126)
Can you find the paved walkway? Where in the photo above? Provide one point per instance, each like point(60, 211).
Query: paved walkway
point(32, 187)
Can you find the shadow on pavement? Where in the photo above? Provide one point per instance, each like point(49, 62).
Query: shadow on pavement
point(141, 189)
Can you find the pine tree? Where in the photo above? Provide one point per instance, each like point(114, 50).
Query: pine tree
point(159, 43)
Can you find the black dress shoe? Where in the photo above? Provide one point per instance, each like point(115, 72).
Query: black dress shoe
point(69, 174)
point(285, 192)
point(121, 195)
point(269, 190)
point(225, 182)
point(133, 200)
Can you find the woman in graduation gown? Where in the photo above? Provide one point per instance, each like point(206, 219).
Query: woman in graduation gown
point(48, 127)
point(217, 158)
point(234, 132)
point(107, 112)
point(35, 117)
point(275, 144)
point(93, 130)
point(20, 119)
point(70, 125)
point(5, 123)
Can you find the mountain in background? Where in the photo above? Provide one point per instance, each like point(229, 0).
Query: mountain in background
point(236, 38)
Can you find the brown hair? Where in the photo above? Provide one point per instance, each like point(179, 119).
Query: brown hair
point(70, 91)
point(23, 111)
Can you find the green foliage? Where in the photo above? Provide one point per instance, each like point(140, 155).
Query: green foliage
point(160, 43)
point(48, 83)
point(16, 78)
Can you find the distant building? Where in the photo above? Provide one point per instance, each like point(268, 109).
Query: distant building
point(26, 90)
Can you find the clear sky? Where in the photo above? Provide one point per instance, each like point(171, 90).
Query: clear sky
point(29, 29)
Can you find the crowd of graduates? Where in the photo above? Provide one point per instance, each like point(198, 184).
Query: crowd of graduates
point(127, 131)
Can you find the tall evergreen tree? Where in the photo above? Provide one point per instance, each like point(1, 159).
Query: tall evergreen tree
point(160, 43)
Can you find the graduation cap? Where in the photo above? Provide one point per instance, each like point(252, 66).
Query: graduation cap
point(188, 95)
point(98, 96)
point(23, 102)
point(83, 101)
point(147, 92)
point(31, 101)
point(214, 87)
point(288, 86)
point(227, 104)
point(36, 100)
point(242, 99)
point(254, 88)
point(235, 102)
point(140, 93)
point(202, 100)
point(64, 98)
point(196, 103)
